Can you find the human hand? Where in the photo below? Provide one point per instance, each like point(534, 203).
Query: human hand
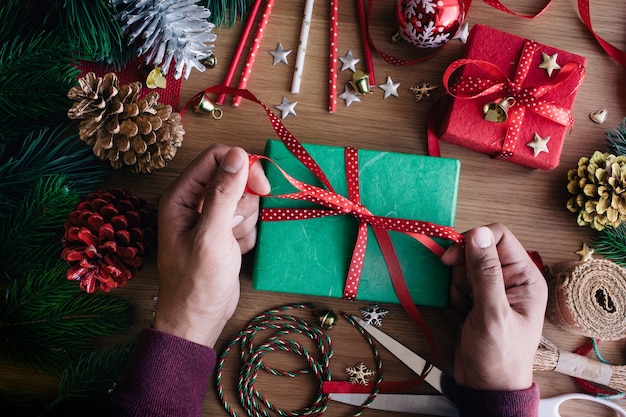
point(206, 222)
point(500, 295)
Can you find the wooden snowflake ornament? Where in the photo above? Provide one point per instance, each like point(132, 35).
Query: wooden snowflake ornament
point(358, 374)
point(423, 91)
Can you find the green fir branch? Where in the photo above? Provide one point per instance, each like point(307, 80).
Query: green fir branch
point(221, 9)
point(616, 139)
point(36, 72)
point(92, 30)
point(46, 322)
point(15, 16)
point(611, 243)
point(32, 230)
point(46, 153)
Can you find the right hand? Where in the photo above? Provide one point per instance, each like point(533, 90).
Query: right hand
point(500, 296)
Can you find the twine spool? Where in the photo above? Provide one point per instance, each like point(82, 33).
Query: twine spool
point(588, 298)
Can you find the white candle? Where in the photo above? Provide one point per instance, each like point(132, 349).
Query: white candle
point(304, 39)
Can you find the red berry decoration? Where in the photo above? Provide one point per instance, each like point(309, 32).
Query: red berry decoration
point(105, 239)
point(429, 24)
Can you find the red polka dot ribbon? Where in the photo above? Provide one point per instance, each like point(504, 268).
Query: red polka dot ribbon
point(526, 98)
point(335, 204)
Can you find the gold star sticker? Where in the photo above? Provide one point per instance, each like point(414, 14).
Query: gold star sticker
point(586, 253)
point(539, 144)
point(549, 63)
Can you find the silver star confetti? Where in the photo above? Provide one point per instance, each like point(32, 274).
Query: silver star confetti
point(374, 314)
point(358, 374)
point(549, 63)
point(390, 88)
point(280, 54)
point(349, 96)
point(287, 107)
point(539, 144)
point(349, 62)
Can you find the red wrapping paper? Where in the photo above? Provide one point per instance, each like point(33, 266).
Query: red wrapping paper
point(464, 123)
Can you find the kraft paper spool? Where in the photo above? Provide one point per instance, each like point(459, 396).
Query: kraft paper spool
point(588, 298)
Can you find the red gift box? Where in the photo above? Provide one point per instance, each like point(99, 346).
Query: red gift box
point(500, 66)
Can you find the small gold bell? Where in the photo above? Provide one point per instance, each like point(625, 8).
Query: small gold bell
point(361, 82)
point(209, 61)
point(326, 318)
point(497, 111)
point(204, 105)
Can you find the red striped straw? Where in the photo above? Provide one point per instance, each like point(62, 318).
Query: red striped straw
point(254, 49)
point(367, 53)
point(242, 44)
point(332, 75)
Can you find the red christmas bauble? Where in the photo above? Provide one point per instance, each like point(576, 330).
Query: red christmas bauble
point(429, 24)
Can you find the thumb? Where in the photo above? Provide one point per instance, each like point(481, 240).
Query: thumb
point(485, 272)
point(225, 190)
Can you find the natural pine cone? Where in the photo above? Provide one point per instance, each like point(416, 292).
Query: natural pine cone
point(598, 186)
point(106, 237)
point(140, 134)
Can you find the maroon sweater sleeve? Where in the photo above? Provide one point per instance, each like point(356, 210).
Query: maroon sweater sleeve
point(166, 376)
point(473, 403)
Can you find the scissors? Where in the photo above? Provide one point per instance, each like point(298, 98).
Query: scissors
point(439, 404)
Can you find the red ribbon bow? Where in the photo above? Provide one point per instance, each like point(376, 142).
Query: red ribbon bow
point(525, 97)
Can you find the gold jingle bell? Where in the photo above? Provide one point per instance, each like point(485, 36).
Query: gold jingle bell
point(209, 62)
point(497, 111)
point(204, 105)
point(361, 82)
point(326, 318)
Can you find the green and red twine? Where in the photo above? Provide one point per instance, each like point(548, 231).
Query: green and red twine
point(254, 343)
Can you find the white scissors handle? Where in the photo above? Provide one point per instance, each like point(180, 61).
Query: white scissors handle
point(549, 407)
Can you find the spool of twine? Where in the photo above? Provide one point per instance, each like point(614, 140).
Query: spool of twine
point(588, 298)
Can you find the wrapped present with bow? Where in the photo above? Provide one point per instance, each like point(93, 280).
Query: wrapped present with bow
point(510, 98)
point(313, 234)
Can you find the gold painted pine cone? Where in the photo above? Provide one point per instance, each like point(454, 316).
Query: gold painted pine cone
point(140, 134)
point(598, 187)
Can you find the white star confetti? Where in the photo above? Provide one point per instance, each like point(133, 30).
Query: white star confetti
point(390, 88)
point(349, 96)
point(349, 62)
point(539, 144)
point(463, 33)
point(374, 314)
point(280, 54)
point(358, 374)
point(287, 107)
point(549, 63)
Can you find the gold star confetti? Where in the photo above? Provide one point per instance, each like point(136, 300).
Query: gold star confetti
point(423, 91)
point(549, 63)
point(586, 253)
point(539, 144)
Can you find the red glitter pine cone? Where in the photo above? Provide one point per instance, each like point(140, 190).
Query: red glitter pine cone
point(106, 237)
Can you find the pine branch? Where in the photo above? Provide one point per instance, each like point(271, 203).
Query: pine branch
point(36, 73)
point(91, 29)
point(15, 16)
point(31, 231)
point(220, 9)
point(46, 322)
point(611, 243)
point(616, 139)
point(47, 153)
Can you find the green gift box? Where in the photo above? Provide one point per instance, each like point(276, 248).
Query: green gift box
point(312, 256)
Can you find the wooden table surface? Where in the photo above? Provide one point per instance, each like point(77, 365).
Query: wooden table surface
point(530, 202)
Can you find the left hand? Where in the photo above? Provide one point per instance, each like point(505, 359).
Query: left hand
point(206, 222)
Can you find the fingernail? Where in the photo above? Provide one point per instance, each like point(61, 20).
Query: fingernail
point(237, 219)
point(483, 238)
point(233, 161)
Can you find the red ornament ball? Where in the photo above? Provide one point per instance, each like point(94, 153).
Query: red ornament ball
point(106, 237)
point(429, 24)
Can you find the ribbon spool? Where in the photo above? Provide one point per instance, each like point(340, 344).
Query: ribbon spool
point(588, 298)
